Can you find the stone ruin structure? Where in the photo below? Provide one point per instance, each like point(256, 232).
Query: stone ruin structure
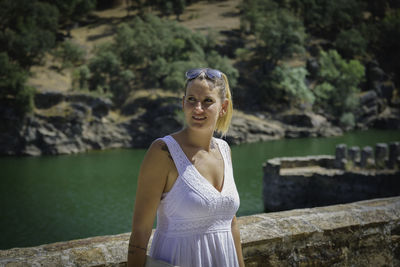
point(353, 174)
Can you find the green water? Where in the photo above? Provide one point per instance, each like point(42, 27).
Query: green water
point(57, 198)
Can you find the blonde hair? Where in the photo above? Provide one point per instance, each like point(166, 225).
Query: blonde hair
point(222, 85)
point(224, 122)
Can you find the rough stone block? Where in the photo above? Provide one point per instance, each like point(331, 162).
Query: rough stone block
point(381, 152)
point(340, 156)
point(366, 157)
point(394, 153)
point(354, 154)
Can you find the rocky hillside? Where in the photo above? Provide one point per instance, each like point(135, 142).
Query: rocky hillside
point(65, 123)
point(68, 121)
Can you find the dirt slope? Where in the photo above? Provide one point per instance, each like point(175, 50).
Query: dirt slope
point(202, 16)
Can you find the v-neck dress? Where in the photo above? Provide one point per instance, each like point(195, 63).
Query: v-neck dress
point(194, 218)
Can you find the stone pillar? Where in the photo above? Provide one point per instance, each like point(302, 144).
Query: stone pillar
point(366, 156)
point(272, 168)
point(354, 154)
point(394, 153)
point(340, 156)
point(381, 151)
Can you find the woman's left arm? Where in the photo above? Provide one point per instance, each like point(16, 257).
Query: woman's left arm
point(236, 239)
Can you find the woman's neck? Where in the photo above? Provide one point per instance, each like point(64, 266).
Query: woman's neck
point(198, 138)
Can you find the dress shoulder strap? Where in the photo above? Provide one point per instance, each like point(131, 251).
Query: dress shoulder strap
point(224, 147)
point(176, 152)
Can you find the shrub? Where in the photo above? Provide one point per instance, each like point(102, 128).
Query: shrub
point(326, 18)
point(155, 53)
point(27, 29)
point(337, 88)
point(347, 120)
point(279, 33)
point(14, 93)
point(351, 43)
point(388, 44)
point(293, 84)
point(70, 53)
point(285, 85)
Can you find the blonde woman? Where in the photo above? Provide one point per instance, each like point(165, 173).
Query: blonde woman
point(186, 178)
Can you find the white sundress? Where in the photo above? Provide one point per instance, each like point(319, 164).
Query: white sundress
point(194, 218)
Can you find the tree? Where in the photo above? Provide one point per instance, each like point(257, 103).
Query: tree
point(388, 44)
point(279, 34)
point(72, 10)
point(151, 52)
point(326, 18)
point(178, 7)
point(254, 14)
point(14, 94)
point(337, 89)
point(351, 43)
point(280, 37)
point(292, 83)
point(27, 29)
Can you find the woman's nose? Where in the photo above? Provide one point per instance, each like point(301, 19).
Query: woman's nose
point(198, 106)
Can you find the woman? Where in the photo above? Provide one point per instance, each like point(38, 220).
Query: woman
point(187, 179)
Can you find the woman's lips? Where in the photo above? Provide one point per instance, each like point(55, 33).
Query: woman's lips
point(199, 118)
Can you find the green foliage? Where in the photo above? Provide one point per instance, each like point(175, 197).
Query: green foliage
point(282, 36)
point(72, 10)
point(151, 52)
point(254, 14)
point(223, 63)
point(70, 53)
point(14, 93)
point(292, 82)
point(347, 120)
point(285, 85)
point(279, 33)
point(388, 43)
point(104, 67)
point(338, 84)
point(27, 29)
point(166, 7)
point(351, 43)
point(325, 17)
point(80, 77)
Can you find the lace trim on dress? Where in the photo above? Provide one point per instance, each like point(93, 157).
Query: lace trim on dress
point(187, 170)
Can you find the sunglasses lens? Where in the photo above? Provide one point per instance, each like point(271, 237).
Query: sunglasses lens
point(213, 74)
point(193, 73)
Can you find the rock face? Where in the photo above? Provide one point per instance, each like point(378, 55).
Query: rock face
point(72, 123)
point(307, 124)
point(359, 234)
point(249, 128)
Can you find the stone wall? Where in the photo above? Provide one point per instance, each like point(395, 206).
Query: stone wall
point(314, 181)
point(363, 233)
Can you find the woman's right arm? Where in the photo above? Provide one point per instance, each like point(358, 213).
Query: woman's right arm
point(150, 186)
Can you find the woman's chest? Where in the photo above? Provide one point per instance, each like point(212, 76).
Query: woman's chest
point(211, 167)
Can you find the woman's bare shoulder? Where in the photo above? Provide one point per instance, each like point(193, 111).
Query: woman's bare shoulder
point(159, 150)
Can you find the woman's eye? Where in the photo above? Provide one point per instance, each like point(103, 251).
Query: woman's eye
point(208, 100)
point(191, 99)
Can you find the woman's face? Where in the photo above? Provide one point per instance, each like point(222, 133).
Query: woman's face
point(202, 105)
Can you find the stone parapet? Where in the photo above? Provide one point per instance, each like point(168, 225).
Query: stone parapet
point(363, 233)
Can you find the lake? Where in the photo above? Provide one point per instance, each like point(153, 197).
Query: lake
point(57, 198)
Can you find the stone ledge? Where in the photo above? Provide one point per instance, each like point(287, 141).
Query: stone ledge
point(365, 233)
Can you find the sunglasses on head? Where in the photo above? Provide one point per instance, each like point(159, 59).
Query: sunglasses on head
point(210, 73)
